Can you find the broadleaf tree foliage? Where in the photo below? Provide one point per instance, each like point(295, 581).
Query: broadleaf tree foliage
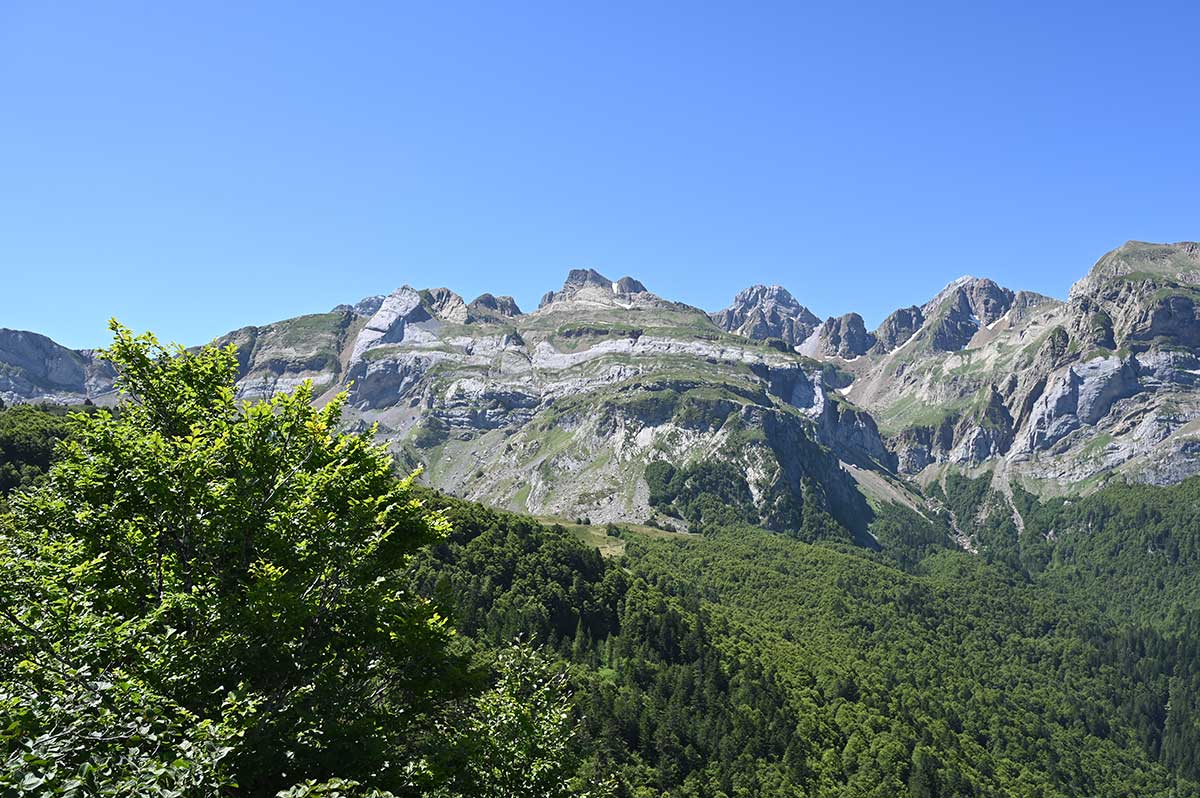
point(207, 596)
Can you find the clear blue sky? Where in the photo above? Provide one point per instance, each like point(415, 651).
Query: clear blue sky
point(195, 169)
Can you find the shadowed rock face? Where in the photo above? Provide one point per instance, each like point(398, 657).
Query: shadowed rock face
point(842, 336)
point(767, 311)
point(445, 304)
point(964, 307)
point(486, 306)
point(1140, 296)
point(34, 368)
point(897, 329)
point(628, 285)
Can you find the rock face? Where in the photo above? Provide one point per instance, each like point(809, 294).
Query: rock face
point(486, 307)
point(588, 285)
point(389, 324)
point(843, 337)
point(365, 307)
point(445, 304)
point(1137, 261)
point(961, 310)
point(897, 329)
point(1052, 391)
point(558, 411)
point(35, 368)
point(767, 311)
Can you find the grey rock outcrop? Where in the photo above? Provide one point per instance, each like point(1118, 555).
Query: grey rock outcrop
point(841, 336)
point(365, 307)
point(897, 328)
point(767, 311)
point(445, 304)
point(402, 307)
point(1141, 295)
point(486, 307)
point(961, 309)
point(35, 368)
point(590, 285)
point(628, 285)
point(1134, 261)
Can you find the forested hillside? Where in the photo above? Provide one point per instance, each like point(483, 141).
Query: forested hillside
point(204, 597)
point(28, 434)
point(748, 663)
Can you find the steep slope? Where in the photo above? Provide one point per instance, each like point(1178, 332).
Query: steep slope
point(1051, 391)
point(34, 368)
point(746, 661)
point(843, 337)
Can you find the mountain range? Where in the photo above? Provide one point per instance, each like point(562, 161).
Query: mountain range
point(567, 410)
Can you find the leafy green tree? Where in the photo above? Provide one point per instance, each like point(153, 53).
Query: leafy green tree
point(520, 736)
point(74, 720)
point(202, 567)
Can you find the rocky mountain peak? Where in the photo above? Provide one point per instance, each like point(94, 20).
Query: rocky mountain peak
point(767, 311)
point(578, 278)
point(1140, 296)
point(976, 296)
point(1177, 263)
point(365, 307)
point(489, 306)
point(946, 293)
point(963, 307)
point(33, 367)
point(897, 328)
point(589, 284)
point(628, 285)
point(841, 336)
point(440, 303)
point(445, 304)
point(400, 308)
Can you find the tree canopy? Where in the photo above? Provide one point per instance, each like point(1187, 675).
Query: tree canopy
point(205, 593)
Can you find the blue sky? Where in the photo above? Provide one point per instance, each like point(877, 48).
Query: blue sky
point(192, 169)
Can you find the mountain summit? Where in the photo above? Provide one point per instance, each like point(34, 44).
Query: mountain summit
point(589, 285)
point(767, 311)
